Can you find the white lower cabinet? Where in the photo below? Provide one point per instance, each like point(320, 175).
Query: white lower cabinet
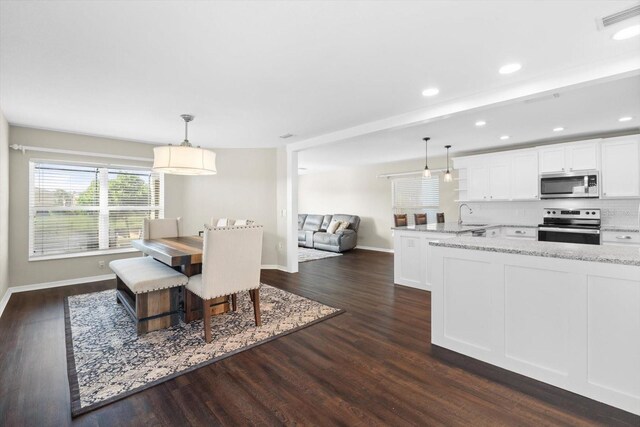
point(520, 233)
point(573, 324)
point(410, 257)
point(621, 238)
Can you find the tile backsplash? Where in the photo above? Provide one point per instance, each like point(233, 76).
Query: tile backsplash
point(614, 212)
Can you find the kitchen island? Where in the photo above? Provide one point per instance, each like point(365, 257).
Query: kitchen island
point(564, 314)
point(410, 246)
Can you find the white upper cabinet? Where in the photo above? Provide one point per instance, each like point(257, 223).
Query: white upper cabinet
point(477, 181)
point(552, 159)
point(565, 158)
point(489, 178)
point(524, 175)
point(621, 167)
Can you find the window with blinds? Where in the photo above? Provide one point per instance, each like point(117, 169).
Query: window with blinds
point(82, 210)
point(416, 195)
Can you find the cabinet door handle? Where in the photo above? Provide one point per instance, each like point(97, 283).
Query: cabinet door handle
point(562, 168)
point(623, 237)
point(519, 232)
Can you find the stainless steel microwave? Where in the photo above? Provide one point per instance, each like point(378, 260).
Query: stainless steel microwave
point(569, 185)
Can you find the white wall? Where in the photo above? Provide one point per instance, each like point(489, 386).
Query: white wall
point(244, 188)
point(4, 205)
point(359, 191)
point(25, 272)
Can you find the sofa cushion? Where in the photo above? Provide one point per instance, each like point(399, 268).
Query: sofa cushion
point(313, 222)
point(325, 222)
point(343, 226)
point(353, 220)
point(333, 226)
point(301, 218)
point(326, 238)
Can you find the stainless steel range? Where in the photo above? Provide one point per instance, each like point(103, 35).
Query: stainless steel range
point(570, 226)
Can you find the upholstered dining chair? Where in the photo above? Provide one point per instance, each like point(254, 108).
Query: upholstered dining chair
point(161, 228)
point(231, 261)
point(420, 218)
point(400, 220)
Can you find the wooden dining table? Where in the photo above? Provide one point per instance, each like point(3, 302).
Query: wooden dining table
point(184, 254)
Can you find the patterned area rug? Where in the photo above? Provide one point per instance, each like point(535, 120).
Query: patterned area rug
point(307, 254)
point(107, 361)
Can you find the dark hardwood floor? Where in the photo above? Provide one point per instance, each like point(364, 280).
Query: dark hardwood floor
point(372, 365)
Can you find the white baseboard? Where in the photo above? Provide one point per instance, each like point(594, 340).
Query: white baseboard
point(47, 285)
point(274, 267)
point(371, 248)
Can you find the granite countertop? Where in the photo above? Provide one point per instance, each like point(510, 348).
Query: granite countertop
point(597, 253)
point(621, 228)
point(453, 227)
point(446, 227)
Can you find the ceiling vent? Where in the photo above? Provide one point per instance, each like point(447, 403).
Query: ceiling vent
point(542, 98)
point(615, 18)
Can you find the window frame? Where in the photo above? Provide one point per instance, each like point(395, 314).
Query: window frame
point(410, 210)
point(102, 208)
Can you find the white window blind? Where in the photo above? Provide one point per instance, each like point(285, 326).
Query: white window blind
point(81, 209)
point(416, 195)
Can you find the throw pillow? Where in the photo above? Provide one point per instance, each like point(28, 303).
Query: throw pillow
point(222, 222)
point(343, 226)
point(240, 222)
point(333, 226)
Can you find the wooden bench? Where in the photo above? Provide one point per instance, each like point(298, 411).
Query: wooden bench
point(150, 291)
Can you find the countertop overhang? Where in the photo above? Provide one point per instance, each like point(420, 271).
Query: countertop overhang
point(595, 253)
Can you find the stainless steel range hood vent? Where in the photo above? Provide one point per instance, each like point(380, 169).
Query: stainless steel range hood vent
point(615, 18)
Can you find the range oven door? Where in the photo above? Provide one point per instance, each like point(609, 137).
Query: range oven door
point(587, 236)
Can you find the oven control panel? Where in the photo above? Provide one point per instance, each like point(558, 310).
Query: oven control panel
point(571, 213)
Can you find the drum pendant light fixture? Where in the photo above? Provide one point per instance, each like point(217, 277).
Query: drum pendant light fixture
point(184, 159)
point(448, 176)
point(426, 173)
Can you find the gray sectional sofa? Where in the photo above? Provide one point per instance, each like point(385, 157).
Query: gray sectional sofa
point(312, 232)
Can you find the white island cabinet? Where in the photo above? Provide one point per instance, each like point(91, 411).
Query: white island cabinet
point(410, 250)
point(564, 314)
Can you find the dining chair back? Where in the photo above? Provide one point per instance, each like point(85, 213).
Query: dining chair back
point(231, 262)
point(161, 228)
point(420, 218)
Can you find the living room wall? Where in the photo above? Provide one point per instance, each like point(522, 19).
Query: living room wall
point(359, 191)
point(4, 206)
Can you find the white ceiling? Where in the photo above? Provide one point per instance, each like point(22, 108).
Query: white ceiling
point(582, 111)
point(251, 71)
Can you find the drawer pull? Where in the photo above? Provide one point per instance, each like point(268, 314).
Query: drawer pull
point(623, 237)
point(519, 232)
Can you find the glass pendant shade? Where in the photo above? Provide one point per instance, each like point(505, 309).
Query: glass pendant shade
point(180, 160)
point(448, 176)
point(426, 173)
point(184, 159)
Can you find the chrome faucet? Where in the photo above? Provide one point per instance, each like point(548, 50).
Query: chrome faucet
point(460, 212)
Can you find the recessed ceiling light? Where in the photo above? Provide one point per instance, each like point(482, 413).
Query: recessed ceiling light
point(558, 129)
point(503, 137)
point(432, 91)
point(509, 68)
point(480, 123)
point(627, 33)
point(625, 119)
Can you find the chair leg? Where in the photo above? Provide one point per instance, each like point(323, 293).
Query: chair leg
point(188, 305)
point(234, 302)
point(251, 295)
point(255, 293)
point(206, 315)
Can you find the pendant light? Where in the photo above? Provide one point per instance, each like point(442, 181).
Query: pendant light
point(184, 159)
point(448, 176)
point(426, 173)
